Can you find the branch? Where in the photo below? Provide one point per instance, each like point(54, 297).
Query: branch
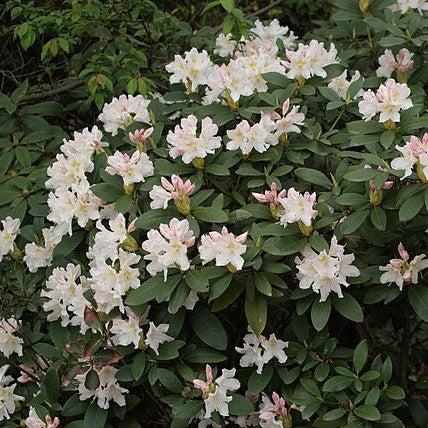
point(53, 92)
point(265, 9)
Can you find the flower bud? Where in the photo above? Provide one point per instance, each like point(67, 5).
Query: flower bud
point(306, 230)
point(389, 125)
point(198, 163)
point(376, 196)
point(183, 205)
point(364, 5)
point(283, 139)
point(129, 188)
point(420, 173)
point(130, 244)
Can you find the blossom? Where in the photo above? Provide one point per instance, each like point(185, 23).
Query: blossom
point(327, 271)
point(225, 248)
point(184, 142)
point(126, 332)
point(37, 256)
point(9, 342)
point(403, 270)
point(8, 235)
point(405, 5)
point(247, 138)
point(65, 298)
point(157, 335)
point(225, 45)
point(273, 413)
point(388, 100)
point(341, 85)
point(273, 32)
point(286, 123)
point(402, 62)
point(33, 420)
point(309, 60)
point(176, 189)
point(84, 143)
point(123, 111)
point(167, 248)
point(272, 198)
point(192, 70)
point(297, 207)
point(259, 350)
point(139, 137)
point(414, 152)
point(214, 392)
point(107, 390)
point(7, 395)
point(133, 169)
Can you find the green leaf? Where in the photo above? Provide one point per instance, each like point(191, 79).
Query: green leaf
point(334, 414)
point(348, 307)
point(23, 156)
point(95, 417)
point(208, 328)
point(92, 380)
point(418, 298)
point(288, 376)
point(228, 5)
point(320, 313)
point(359, 175)
point(240, 406)
point(367, 412)
point(262, 284)
point(153, 218)
point(51, 385)
point(353, 222)
point(210, 215)
point(337, 383)
point(313, 176)
point(138, 365)
point(395, 392)
point(411, 207)
point(258, 382)
point(107, 192)
point(378, 218)
point(359, 357)
point(188, 409)
point(196, 280)
point(68, 244)
point(219, 287)
point(389, 41)
point(169, 380)
point(256, 312)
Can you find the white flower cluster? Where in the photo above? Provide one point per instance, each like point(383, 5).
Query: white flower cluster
point(259, 350)
point(388, 100)
point(403, 270)
point(8, 235)
point(405, 5)
point(107, 390)
point(414, 153)
point(9, 342)
point(214, 391)
point(327, 271)
point(8, 398)
point(402, 62)
point(341, 84)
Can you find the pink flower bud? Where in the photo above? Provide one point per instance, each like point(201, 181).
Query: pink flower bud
point(403, 253)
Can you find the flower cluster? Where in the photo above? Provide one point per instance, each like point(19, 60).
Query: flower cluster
point(8, 235)
point(214, 391)
point(401, 63)
point(388, 100)
point(341, 84)
point(325, 272)
point(259, 350)
point(8, 398)
point(413, 153)
point(403, 270)
point(10, 343)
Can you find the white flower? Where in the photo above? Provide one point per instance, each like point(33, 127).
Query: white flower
point(404, 5)
point(214, 392)
point(402, 62)
point(108, 389)
point(157, 335)
point(133, 169)
point(272, 413)
point(225, 45)
point(273, 32)
point(184, 142)
point(9, 342)
point(84, 143)
point(65, 298)
point(33, 420)
point(123, 111)
point(217, 401)
point(389, 99)
point(224, 247)
point(309, 60)
point(327, 271)
point(412, 153)
point(177, 189)
point(258, 350)
point(7, 395)
point(8, 235)
point(37, 256)
point(126, 332)
point(297, 207)
point(193, 70)
point(341, 85)
point(247, 138)
point(167, 247)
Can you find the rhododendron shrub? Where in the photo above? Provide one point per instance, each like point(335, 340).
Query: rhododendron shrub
point(237, 249)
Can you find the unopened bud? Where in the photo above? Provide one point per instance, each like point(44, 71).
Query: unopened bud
point(376, 196)
point(306, 230)
point(389, 125)
point(231, 268)
point(142, 344)
point(275, 211)
point(420, 173)
point(283, 139)
point(130, 244)
point(198, 163)
point(129, 188)
point(183, 205)
point(364, 5)
point(16, 254)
